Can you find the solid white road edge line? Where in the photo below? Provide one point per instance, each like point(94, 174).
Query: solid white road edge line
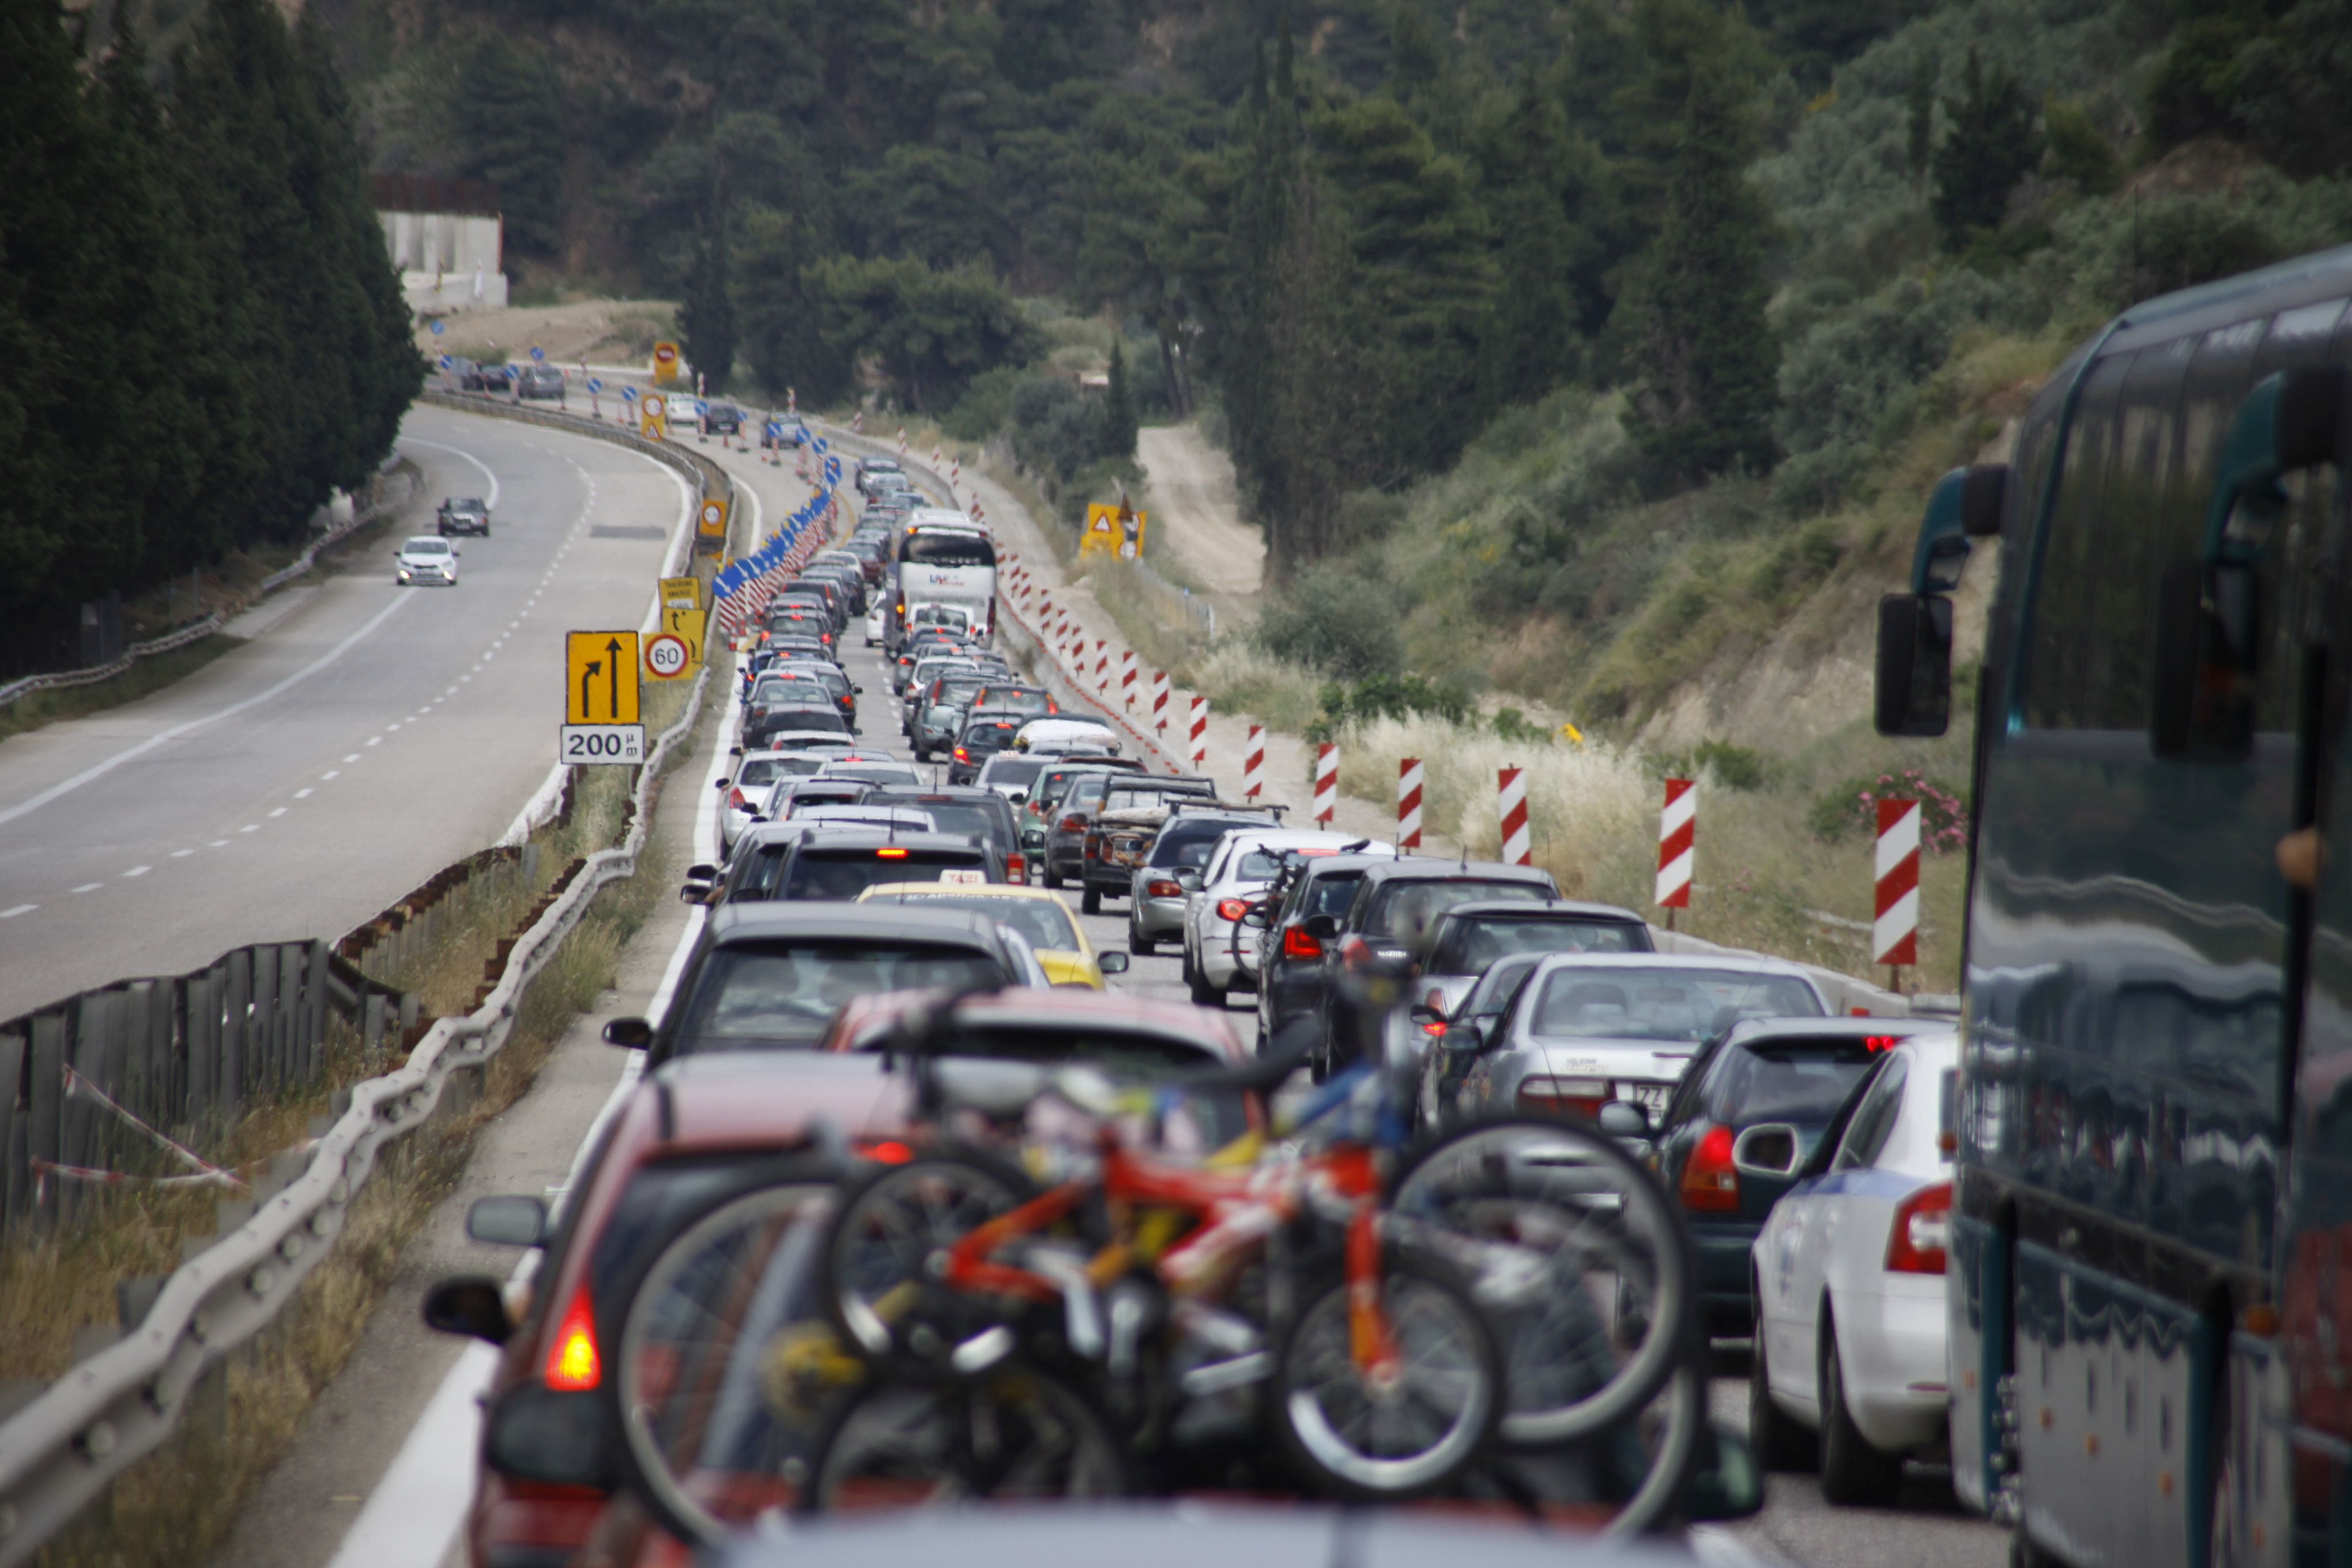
point(492, 498)
point(191, 725)
point(415, 1513)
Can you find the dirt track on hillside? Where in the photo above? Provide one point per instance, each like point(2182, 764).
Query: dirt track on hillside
point(1196, 513)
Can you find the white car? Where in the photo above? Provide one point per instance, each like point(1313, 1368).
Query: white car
point(1220, 953)
point(754, 775)
point(426, 558)
point(1849, 1281)
point(876, 609)
point(1060, 732)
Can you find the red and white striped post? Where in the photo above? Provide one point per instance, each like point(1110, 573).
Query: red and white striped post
point(938, 458)
point(1677, 832)
point(955, 473)
point(1327, 781)
point(1126, 679)
point(1159, 700)
point(1894, 932)
point(1102, 667)
point(1200, 734)
point(1511, 806)
point(902, 441)
point(1409, 804)
point(1253, 763)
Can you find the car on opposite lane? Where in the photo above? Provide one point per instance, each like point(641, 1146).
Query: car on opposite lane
point(463, 514)
point(425, 559)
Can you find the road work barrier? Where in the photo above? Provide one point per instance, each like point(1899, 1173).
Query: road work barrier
point(1511, 806)
point(1894, 933)
point(1327, 781)
point(1409, 777)
point(1677, 842)
point(62, 1450)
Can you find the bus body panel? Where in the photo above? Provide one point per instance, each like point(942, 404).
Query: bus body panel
point(2134, 976)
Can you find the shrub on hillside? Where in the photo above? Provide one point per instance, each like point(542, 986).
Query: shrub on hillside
point(1851, 809)
point(2121, 250)
point(1337, 622)
point(1387, 696)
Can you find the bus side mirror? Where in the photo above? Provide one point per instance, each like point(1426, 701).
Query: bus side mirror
point(1914, 664)
point(2206, 636)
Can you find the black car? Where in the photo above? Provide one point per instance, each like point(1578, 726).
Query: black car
point(496, 378)
point(1394, 915)
point(1470, 937)
point(722, 419)
point(982, 736)
point(1456, 1036)
point(761, 724)
point(1752, 1107)
point(1307, 899)
point(843, 862)
point(983, 812)
point(470, 514)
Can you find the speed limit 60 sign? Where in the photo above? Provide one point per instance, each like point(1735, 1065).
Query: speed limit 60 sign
point(668, 656)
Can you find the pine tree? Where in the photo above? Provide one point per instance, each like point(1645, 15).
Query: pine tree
point(705, 316)
point(1119, 421)
point(1992, 145)
point(1691, 317)
point(1531, 341)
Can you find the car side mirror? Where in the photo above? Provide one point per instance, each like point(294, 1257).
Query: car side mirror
point(1018, 797)
point(1424, 1015)
point(636, 1033)
point(1188, 880)
point(1770, 1148)
point(470, 1304)
point(1258, 916)
point(508, 1220)
point(721, 783)
point(1915, 664)
point(1322, 927)
point(1111, 963)
point(1623, 1119)
point(857, 691)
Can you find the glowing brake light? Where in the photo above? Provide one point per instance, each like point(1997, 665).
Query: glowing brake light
point(888, 1150)
point(1881, 1042)
point(1709, 1183)
point(573, 1366)
point(1232, 909)
point(1916, 1242)
point(1016, 868)
point(1297, 943)
point(891, 854)
point(962, 755)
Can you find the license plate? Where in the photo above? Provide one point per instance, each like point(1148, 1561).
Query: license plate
point(1649, 1096)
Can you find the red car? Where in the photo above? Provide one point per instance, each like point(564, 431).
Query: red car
point(686, 1137)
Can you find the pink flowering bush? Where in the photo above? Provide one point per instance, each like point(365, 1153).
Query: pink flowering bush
point(1851, 809)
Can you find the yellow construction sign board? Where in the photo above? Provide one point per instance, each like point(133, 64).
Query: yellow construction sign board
point(653, 417)
point(664, 363)
point(681, 592)
point(600, 678)
point(714, 517)
point(683, 627)
point(1113, 531)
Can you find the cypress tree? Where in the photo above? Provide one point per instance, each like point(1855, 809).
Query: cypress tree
point(1119, 421)
point(1691, 317)
point(1989, 147)
point(705, 316)
point(1531, 341)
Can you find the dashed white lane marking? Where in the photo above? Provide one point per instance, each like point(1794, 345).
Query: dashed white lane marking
point(11, 914)
point(250, 827)
point(303, 794)
point(217, 844)
point(333, 773)
point(278, 811)
point(137, 871)
point(182, 853)
point(376, 739)
point(352, 758)
point(89, 887)
point(388, 728)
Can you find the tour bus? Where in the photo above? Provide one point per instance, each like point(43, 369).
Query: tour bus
point(943, 557)
point(2150, 1259)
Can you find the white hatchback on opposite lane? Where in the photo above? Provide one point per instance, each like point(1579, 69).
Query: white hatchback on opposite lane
point(426, 558)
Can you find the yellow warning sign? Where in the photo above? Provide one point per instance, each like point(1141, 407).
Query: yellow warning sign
point(714, 517)
point(1113, 531)
point(600, 678)
point(687, 627)
point(653, 417)
point(664, 363)
point(681, 592)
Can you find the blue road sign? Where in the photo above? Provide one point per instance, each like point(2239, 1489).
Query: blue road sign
point(539, 353)
point(444, 362)
point(596, 384)
point(700, 408)
point(628, 394)
point(438, 328)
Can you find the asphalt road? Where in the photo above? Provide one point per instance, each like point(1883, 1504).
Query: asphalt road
point(376, 733)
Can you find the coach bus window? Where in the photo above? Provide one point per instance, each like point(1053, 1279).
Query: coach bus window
point(2073, 567)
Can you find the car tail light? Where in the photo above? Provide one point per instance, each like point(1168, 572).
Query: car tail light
point(1161, 888)
point(1564, 1096)
point(1231, 909)
point(1074, 823)
point(573, 1364)
point(735, 798)
point(962, 755)
point(890, 854)
point(1016, 868)
point(1297, 943)
point(1709, 1185)
point(888, 1150)
point(1921, 1230)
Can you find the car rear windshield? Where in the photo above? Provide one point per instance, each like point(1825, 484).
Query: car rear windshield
point(1042, 922)
point(1470, 945)
point(1190, 842)
point(1685, 1005)
point(927, 549)
point(845, 873)
point(1021, 698)
point(1203, 1120)
point(658, 1200)
point(1405, 910)
point(1140, 796)
point(986, 737)
point(1331, 895)
point(1784, 1080)
point(1013, 771)
point(955, 815)
point(828, 720)
point(779, 995)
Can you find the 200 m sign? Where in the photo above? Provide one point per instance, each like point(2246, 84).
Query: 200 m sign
point(602, 744)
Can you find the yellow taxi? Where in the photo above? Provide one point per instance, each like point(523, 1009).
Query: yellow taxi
point(1040, 917)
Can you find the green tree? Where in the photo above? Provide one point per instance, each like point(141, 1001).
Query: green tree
point(1692, 316)
point(1989, 147)
point(705, 316)
point(784, 318)
point(1919, 117)
point(1532, 341)
point(507, 108)
point(932, 332)
point(1119, 421)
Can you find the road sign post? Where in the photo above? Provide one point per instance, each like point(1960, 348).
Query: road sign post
point(601, 721)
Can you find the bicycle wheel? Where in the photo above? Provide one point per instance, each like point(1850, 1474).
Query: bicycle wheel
point(1356, 1432)
point(1017, 1434)
point(877, 1272)
point(722, 1369)
point(1579, 1260)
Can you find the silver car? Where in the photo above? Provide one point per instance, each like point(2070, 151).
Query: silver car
point(1588, 1028)
point(426, 558)
point(1220, 952)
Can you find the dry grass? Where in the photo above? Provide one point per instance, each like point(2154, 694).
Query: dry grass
point(174, 1506)
point(1239, 677)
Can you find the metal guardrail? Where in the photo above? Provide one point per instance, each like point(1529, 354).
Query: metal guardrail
point(702, 470)
point(61, 1451)
point(196, 630)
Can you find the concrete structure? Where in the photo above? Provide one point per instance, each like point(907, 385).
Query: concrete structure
point(447, 238)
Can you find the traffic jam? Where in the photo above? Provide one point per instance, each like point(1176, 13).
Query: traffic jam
point(1431, 1189)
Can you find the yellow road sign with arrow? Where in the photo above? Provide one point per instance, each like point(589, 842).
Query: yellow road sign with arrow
point(600, 683)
